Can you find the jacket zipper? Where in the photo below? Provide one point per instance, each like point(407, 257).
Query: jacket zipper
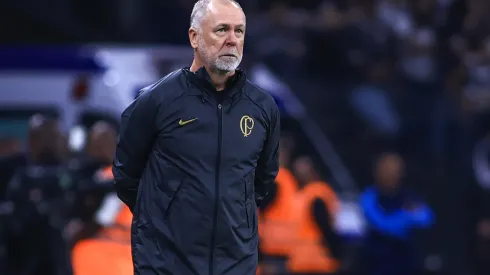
point(216, 191)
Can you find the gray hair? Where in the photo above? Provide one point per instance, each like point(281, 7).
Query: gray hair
point(199, 11)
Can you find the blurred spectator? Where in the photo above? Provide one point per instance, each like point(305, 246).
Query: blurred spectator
point(93, 188)
point(480, 200)
point(42, 195)
point(332, 38)
point(108, 250)
point(11, 158)
point(287, 146)
point(317, 247)
point(373, 100)
point(277, 39)
point(277, 222)
point(392, 212)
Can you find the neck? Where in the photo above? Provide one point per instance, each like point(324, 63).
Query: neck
point(218, 78)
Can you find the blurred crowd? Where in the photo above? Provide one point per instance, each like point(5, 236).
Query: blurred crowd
point(410, 76)
point(52, 197)
point(60, 216)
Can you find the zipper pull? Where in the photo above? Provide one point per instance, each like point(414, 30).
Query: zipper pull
point(219, 106)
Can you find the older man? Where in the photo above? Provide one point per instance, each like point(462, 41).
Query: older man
point(197, 153)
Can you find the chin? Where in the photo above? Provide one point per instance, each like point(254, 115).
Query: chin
point(227, 67)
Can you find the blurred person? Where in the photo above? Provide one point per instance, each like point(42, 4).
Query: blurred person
point(107, 251)
point(95, 188)
point(418, 60)
point(277, 38)
point(393, 213)
point(396, 15)
point(479, 200)
point(419, 68)
point(332, 38)
point(316, 245)
point(197, 153)
point(99, 148)
point(476, 19)
point(44, 141)
point(376, 35)
point(41, 193)
point(9, 146)
point(374, 101)
point(11, 158)
point(477, 90)
point(101, 144)
point(276, 223)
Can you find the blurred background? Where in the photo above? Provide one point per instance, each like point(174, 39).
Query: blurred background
point(385, 105)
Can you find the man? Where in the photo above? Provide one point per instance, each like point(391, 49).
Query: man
point(98, 207)
point(276, 219)
point(317, 246)
point(197, 153)
point(393, 213)
point(41, 193)
point(11, 158)
point(107, 250)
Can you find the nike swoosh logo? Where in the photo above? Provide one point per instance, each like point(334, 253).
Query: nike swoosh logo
point(182, 122)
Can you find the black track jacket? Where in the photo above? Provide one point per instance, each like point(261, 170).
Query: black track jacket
point(193, 169)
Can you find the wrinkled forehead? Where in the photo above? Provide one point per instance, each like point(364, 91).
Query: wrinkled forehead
point(224, 14)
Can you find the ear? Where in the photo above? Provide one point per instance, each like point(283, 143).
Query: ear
point(193, 36)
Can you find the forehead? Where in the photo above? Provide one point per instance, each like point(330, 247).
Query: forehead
point(229, 14)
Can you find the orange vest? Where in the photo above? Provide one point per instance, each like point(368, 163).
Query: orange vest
point(104, 174)
point(109, 252)
point(310, 254)
point(276, 223)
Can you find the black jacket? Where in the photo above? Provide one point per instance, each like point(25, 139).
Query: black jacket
point(42, 196)
point(194, 170)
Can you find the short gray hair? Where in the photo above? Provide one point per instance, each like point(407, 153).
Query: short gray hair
point(199, 11)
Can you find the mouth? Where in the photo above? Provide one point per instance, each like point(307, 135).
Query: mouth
point(228, 55)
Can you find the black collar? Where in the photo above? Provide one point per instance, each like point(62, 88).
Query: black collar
point(233, 87)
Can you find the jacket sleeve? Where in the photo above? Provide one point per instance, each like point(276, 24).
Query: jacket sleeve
point(136, 137)
point(325, 223)
point(395, 224)
point(422, 217)
point(268, 163)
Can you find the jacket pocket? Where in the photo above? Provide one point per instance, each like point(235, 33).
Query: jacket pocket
point(172, 185)
point(249, 197)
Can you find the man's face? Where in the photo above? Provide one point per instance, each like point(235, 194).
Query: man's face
point(101, 146)
point(219, 42)
point(389, 172)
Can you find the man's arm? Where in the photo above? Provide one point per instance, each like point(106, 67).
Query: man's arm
point(135, 141)
point(269, 200)
point(325, 222)
point(268, 164)
point(395, 224)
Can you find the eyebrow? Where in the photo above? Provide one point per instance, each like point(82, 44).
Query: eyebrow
point(229, 25)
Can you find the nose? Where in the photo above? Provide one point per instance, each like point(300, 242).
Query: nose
point(231, 39)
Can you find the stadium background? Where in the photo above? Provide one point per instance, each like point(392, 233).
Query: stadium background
point(321, 60)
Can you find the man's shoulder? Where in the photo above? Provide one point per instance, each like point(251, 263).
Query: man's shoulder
point(260, 97)
point(167, 87)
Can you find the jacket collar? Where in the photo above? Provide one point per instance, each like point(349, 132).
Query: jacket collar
point(201, 78)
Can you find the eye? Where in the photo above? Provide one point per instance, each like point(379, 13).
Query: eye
point(221, 30)
point(239, 31)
